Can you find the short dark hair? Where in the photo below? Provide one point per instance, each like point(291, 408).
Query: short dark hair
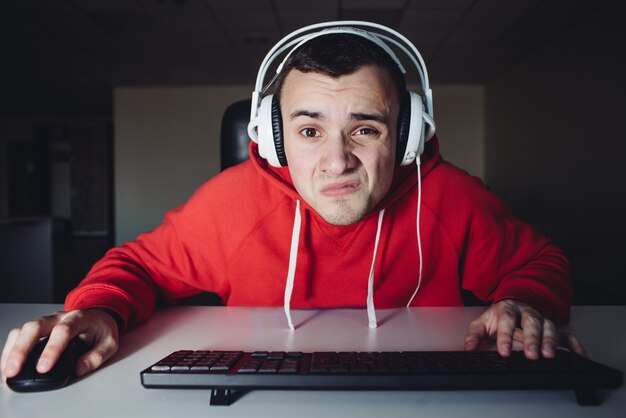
point(341, 54)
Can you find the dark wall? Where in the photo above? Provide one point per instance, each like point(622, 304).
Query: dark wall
point(555, 147)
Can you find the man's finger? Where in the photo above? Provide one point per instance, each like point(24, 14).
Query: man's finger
point(572, 342)
point(5, 366)
point(61, 334)
point(476, 333)
point(549, 339)
point(507, 319)
point(94, 358)
point(532, 325)
point(26, 339)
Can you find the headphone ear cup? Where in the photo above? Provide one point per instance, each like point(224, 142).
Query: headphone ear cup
point(269, 132)
point(404, 125)
point(277, 132)
point(413, 109)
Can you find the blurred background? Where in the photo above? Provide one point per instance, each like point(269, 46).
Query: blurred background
point(110, 115)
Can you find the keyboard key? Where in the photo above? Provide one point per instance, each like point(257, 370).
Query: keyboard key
point(276, 355)
point(289, 368)
point(250, 367)
point(269, 368)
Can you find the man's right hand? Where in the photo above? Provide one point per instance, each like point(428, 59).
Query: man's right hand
point(96, 327)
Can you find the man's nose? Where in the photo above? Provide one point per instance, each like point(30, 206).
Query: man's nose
point(337, 155)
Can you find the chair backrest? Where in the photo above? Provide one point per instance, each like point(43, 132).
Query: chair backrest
point(234, 139)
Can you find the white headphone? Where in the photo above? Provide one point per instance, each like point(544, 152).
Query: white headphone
point(416, 124)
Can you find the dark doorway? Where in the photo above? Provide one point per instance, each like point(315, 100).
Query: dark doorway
point(65, 174)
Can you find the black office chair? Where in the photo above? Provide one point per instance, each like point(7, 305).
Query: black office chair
point(234, 139)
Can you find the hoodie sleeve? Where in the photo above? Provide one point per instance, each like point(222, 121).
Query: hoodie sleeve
point(503, 257)
point(180, 258)
point(188, 253)
point(132, 278)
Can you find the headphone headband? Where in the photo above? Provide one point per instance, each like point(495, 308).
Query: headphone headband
point(342, 29)
point(303, 35)
point(416, 123)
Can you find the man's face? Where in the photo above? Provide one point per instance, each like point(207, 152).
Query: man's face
point(340, 140)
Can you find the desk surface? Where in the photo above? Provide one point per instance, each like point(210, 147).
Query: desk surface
point(116, 391)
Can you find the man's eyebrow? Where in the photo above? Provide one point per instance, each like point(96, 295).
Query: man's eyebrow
point(355, 116)
point(307, 113)
point(369, 116)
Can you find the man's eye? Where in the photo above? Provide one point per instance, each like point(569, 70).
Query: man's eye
point(367, 132)
point(309, 132)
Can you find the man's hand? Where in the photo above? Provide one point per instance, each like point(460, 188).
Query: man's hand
point(509, 320)
point(95, 326)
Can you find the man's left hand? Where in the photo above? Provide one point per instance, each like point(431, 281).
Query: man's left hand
point(509, 320)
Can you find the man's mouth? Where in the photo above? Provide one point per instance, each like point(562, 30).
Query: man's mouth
point(341, 189)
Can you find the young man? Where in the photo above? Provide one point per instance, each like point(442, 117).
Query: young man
point(339, 221)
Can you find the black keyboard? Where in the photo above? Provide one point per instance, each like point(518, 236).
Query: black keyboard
point(228, 373)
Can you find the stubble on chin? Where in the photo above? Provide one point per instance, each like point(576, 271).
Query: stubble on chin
point(342, 212)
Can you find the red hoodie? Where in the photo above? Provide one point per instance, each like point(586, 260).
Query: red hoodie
point(233, 238)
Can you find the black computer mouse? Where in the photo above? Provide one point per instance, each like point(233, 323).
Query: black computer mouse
point(30, 380)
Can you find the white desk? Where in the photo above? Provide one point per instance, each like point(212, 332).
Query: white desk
point(116, 391)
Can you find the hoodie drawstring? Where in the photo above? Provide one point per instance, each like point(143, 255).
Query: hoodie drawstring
point(417, 223)
point(293, 255)
point(371, 312)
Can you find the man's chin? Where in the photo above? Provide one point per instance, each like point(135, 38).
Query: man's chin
point(342, 221)
point(343, 214)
